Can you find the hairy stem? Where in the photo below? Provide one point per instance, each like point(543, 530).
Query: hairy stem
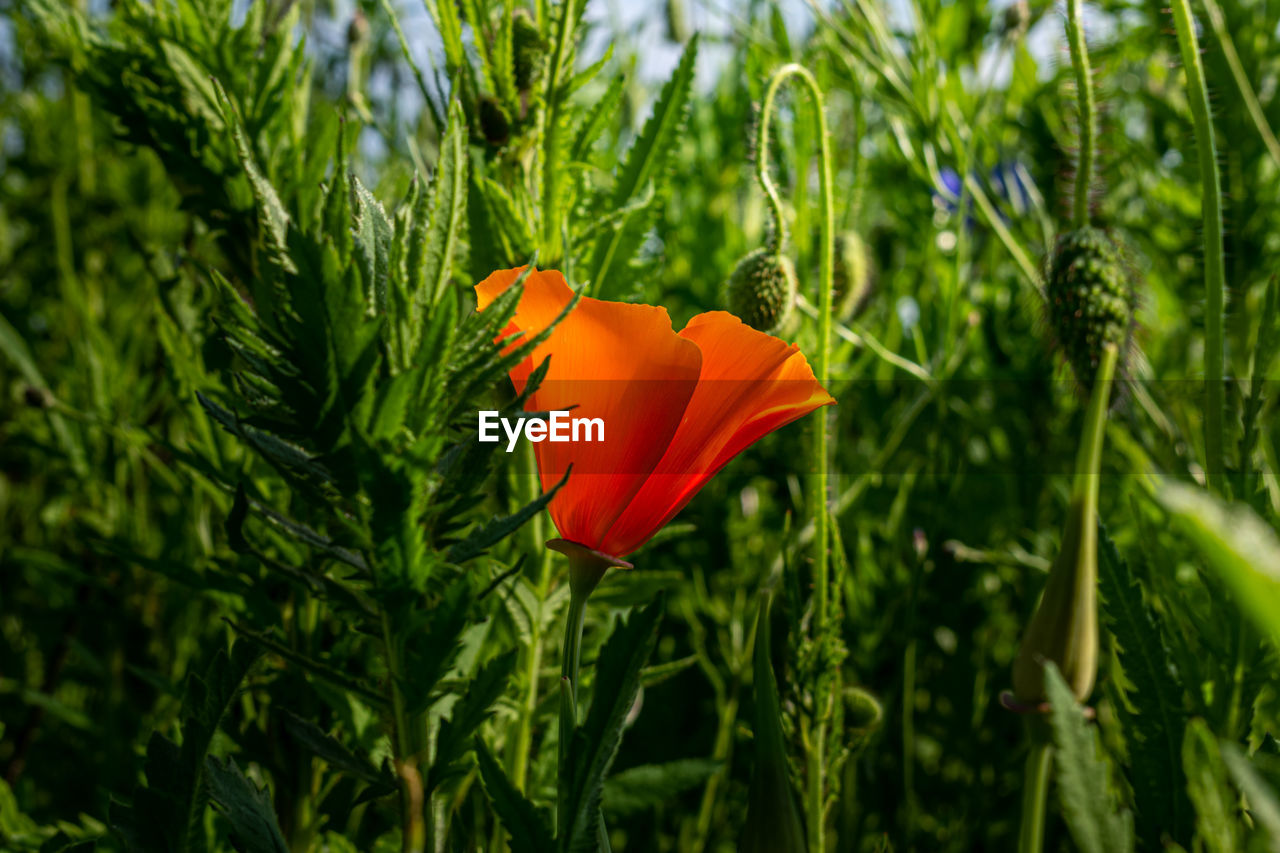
point(815, 796)
point(1088, 110)
point(1214, 272)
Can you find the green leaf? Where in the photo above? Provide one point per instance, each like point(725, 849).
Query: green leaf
point(528, 832)
point(1237, 544)
point(1091, 814)
point(645, 161)
point(595, 742)
point(1264, 806)
point(1154, 727)
point(167, 814)
point(495, 531)
point(650, 785)
point(1216, 826)
point(246, 807)
point(440, 223)
point(470, 711)
point(337, 755)
point(273, 219)
point(773, 820)
point(373, 234)
point(15, 348)
point(288, 458)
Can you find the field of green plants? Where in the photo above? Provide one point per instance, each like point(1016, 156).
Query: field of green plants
point(937, 496)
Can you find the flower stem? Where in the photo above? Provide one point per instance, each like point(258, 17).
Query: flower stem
point(1088, 110)
point(1214, 272)
point(585, 571)
point(1035, 792)
point(815, 795)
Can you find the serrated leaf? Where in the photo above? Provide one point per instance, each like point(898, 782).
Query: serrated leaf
point(527, 831)
point(644, 162)
point(337, 755)
point(1154, 730)
point(431, 251)
point(485, 536)
point(595, 742)
point(650, 785)
point(468, 713)
point(168, 812)
point(284, 455)
point(1083, 789)
point(374, 233)
point(1216, 826)
point(272, 216)
point(246, 807)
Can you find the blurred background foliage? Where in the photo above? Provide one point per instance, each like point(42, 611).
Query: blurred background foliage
point(123, 199)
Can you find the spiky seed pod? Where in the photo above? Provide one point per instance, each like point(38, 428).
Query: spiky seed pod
point(761, 290)
point(1090, 298)
point(851, 278)
point(528, 47)
point(495, 125)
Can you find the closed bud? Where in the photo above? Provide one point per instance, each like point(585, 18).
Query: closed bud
point(1090, 298)
point(761, 291)
point(1064, 628)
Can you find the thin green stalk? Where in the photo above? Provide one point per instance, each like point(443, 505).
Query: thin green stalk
point(815, 800)
point(523, 740)
point(414, 829)
point(1259, 117)
point(1035, 792)
point(1088, 110)
point(583, 577)
point(551, 243)
point(1214, 272)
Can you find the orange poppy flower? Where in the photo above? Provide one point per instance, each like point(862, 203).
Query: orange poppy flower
point(675, 407)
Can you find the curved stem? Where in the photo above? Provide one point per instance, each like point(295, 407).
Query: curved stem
point(815, 799)
point(1214, 272)
point(1088, 110)
point(1035, 794)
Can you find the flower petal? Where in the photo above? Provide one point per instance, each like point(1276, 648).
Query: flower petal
point(546, 293)
point(618, 362)
point(750, 385)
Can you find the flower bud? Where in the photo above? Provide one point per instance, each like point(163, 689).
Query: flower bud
point(762, 289)
point(1064, 628)
point(1090, 298)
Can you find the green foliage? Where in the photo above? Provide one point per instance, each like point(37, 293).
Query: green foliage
point(239, 365)
point(167, 813)
point(245, 806)
point(1238, 545)
point(1216, 829)
point(595, 742)
point(1082, 775)
point(1151, 704)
